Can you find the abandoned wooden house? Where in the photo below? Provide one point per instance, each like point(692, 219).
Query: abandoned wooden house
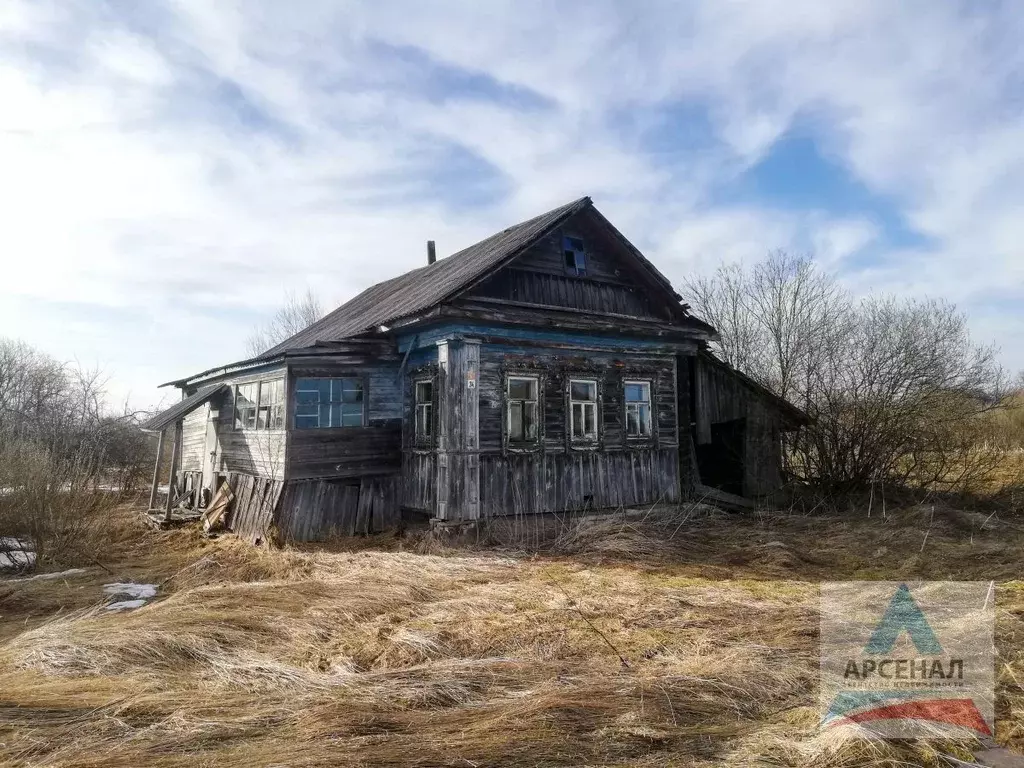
point(550, 367)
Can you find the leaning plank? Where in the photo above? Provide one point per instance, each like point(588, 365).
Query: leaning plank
point(364, 512)
point(214, 514)
point(721, 498)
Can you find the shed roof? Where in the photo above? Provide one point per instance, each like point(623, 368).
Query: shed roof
point(180, 410)
point(797, 415)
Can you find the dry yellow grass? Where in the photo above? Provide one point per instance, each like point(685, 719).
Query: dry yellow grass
point(687, 638)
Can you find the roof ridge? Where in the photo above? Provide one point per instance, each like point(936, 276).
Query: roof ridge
point(422, 287)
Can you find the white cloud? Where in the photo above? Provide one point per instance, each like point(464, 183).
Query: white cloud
point(170, 171)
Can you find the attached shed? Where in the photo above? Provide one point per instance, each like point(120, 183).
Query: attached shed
point(738, 428)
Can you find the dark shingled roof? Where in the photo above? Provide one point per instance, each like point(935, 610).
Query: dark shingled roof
point(180, 410)
point(427, 286)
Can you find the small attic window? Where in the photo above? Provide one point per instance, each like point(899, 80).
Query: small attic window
point(575, 255)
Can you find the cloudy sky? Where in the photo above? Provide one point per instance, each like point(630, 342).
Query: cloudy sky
point(169, 170)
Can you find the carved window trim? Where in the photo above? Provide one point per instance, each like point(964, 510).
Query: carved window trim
point(586, 438)
point(639, 407)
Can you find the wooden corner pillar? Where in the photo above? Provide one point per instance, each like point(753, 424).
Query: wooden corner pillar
point(458, 435)
point(156, 470)
point(175, 455)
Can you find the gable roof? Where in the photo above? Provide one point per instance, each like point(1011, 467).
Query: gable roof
point(423, 288)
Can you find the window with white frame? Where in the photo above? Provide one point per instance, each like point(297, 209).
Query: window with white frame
point(582, 410)
point(329, 403)
point(260, 405)
point(424, 411)
point(246, 397)
point(638, 408)
point(521, 408)
point(270, 412)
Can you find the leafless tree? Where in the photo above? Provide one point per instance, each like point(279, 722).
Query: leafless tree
point(895, 386)
point(298, 313)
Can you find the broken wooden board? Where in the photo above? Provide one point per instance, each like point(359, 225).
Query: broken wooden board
point(721, 498)
point(218, 508)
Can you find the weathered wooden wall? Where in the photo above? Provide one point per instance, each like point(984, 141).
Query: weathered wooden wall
point(350, 452)
point(539, 277)
point(315, 510)
point(556, 474)
point(517, 484)
point(193, 439)
point(252, 512)
point(722, 396)
point(254, 452)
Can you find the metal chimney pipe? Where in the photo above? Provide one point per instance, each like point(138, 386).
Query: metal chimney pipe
point(431, 252)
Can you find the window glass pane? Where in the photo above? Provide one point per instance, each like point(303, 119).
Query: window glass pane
point(329, 416)
point(424, 392)
point(261, 418)
point(632, 421)
point(249, 418)
point(636, 392)
point(277, 417)
point(351, 390)
point(522, 389)
point(581, 262)
point(515, 421)
point(645, 420)
point(306, 422)
point(307, 410)
point(271, 392)
point(304, 397)
point(582, 390)
point(351, 415)
point(306, 385)
point(246, 395)
point(577, 420)
point(324, 387)
point(589, 420)
point(530, 421)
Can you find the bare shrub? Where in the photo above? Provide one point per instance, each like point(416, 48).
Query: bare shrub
point(298, 313)
point(64, 459)
point(896, 387)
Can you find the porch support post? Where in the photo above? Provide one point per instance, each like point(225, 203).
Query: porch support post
point(175, 452)
point(156, 469)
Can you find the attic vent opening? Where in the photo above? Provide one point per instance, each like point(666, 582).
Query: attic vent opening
point(575, 254)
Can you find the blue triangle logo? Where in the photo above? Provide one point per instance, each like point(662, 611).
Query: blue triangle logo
point(902, 614)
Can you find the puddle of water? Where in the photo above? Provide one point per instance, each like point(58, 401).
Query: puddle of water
point(138, 595)
point(16, 553)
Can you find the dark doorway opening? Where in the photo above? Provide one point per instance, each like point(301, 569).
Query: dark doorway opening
point(722, 461)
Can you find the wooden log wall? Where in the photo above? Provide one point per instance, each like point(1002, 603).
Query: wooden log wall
point(316, 510)
point(556, 474)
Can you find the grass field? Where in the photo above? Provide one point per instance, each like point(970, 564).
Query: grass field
point(687, 637)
